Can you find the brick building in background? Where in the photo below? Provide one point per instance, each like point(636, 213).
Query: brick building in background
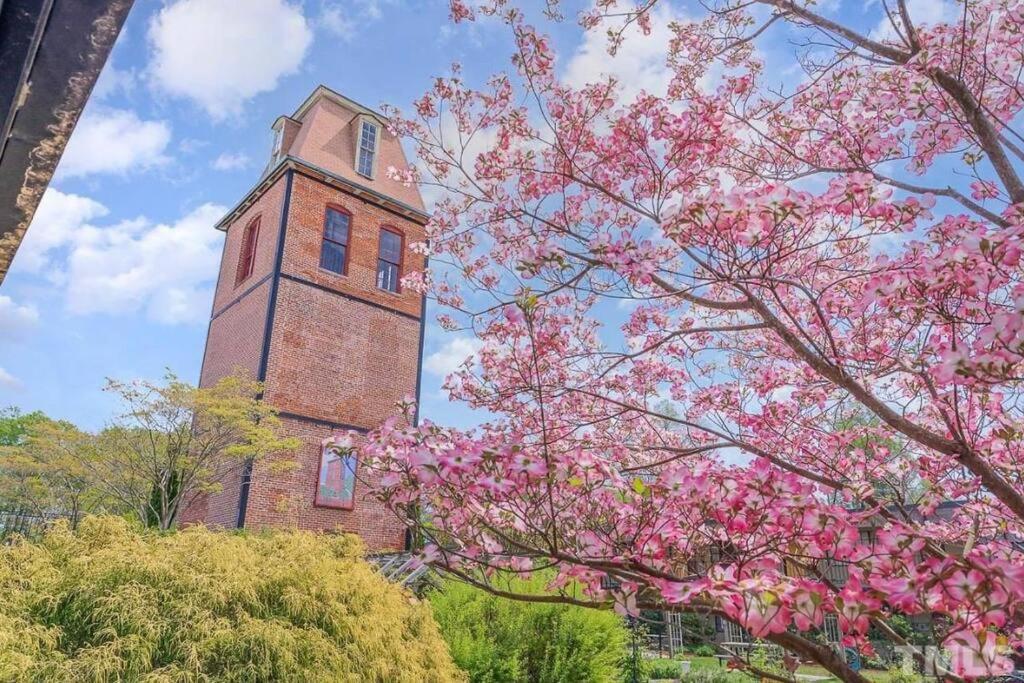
point(309, 301)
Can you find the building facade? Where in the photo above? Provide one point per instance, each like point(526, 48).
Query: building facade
point(309, 301)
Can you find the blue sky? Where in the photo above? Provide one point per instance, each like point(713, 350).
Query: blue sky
point(116, 274)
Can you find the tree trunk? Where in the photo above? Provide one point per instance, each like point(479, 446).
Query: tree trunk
point(825, 656)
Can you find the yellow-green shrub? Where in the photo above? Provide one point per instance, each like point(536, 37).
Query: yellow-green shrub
point(498, 640)
point(111, 603)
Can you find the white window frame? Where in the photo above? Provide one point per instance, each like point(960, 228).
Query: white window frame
point(363, 123)
point(278, 143)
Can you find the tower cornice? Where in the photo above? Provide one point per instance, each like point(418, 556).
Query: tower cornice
point(323, 175)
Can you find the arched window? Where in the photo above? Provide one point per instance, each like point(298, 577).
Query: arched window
point(334, 252)
point(247, 254)
point(389, 260)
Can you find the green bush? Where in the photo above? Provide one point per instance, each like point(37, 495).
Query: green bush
point(695, 629)
point(498, 640)
point(704, 650)
point(111, 603)
point(898, 675)
point(713, 675)
point(663, 668)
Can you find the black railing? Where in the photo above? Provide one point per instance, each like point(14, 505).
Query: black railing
point(18, 522)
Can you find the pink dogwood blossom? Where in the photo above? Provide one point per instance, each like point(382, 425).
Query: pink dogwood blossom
point(747, 351)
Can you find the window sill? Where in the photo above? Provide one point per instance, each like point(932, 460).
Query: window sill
point(326, 506)
point(380, 290)
point(331, 272)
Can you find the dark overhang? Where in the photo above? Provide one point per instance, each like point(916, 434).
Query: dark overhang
point(51, 53)
point(323, 175)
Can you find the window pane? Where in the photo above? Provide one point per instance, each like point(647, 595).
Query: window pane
point(250, 258)
point(365, 162)
point(278, 137)
point(332, 257)
point(367, 148)
point(387, 275)
point(336, 487)
point(247, 255)
point(390, 247)
point(369, 140)
point(336, 229)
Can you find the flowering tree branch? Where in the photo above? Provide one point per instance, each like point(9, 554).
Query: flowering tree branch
point(819, 365)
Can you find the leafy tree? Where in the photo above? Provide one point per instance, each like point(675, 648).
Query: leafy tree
point(48, 471)
point(14, 424)
point(111, 602)
point(499, 640)
point(696, 631)
point(169, 489)
point(174, 442)
point(897, 485)
point(845, 240)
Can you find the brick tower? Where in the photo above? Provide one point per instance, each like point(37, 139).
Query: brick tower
point(309, 301)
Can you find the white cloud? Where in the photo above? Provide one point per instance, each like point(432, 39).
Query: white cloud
point(639, 64)
point(58, 217)
point(220, 54)
point(469, 149)
point(231, 162)
point(16, 319)
point(9, 381)
point(113, 80)
point(922, 12)
point(166, 270)
point(372, 8)
point(347, 19)
point(450, 356)
point(338, 22)
point(114, 141)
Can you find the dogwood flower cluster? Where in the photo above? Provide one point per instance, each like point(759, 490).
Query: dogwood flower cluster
point(809, 406)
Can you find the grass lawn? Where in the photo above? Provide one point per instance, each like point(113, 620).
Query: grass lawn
point(871, 674)
point(713, 663)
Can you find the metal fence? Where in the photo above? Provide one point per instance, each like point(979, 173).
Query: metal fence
point(405, 569)
point(17, 522)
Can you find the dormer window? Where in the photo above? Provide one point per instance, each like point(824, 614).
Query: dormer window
point(366, 149)
point(275, 153)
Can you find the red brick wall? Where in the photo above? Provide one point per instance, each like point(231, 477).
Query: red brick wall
point(235, 337)
point(218, 509)
point(339, 360)
point(284, 498)
point(332, 358)
point(268, 209)
point(240, 309)
point(305, 235)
